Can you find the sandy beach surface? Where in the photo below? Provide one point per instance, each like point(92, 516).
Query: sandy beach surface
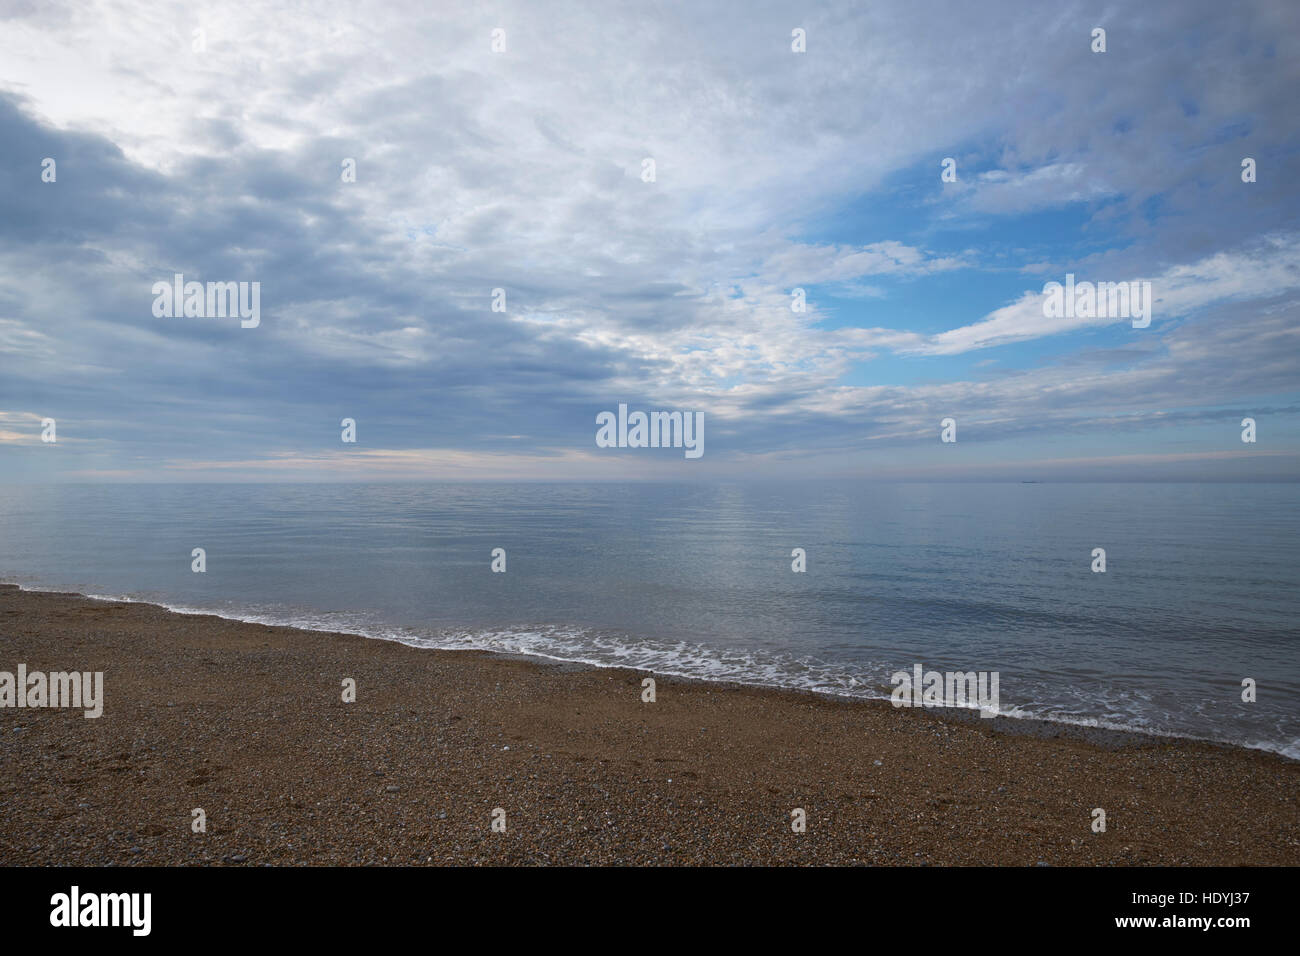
point(247, 722)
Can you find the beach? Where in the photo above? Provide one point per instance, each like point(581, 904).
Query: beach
point(246, 723)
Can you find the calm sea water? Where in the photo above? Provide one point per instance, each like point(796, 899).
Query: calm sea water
point(1201, 588)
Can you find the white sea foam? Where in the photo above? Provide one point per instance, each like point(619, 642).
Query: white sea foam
point(1127, 711)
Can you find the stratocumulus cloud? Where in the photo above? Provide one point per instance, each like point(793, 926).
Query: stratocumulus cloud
point(795, 268)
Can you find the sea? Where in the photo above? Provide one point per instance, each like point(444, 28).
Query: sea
point(1201, 588)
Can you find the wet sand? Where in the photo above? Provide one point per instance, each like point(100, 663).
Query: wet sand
point(247, 722)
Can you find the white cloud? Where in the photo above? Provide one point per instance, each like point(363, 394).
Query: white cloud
point(1268, 270)
point(521, 171)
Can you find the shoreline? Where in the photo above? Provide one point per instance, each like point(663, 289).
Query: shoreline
point(1098, 734)
point(245, 721)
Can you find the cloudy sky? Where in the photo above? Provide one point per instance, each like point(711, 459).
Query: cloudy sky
point(219, 154)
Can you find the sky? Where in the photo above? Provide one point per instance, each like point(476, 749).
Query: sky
point(504, 146)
